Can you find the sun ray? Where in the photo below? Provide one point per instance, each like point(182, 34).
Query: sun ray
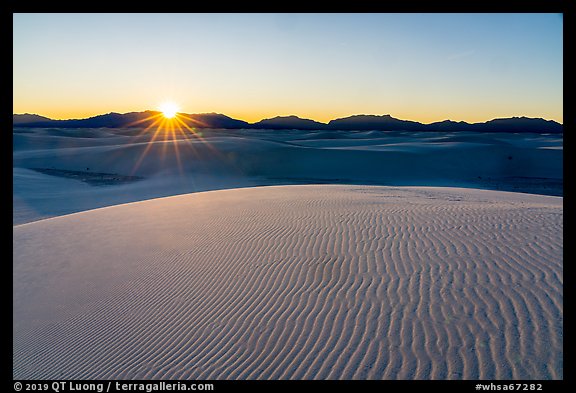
point(194, 132)
point(175, 145)
point(149, 143)
point(171, 126)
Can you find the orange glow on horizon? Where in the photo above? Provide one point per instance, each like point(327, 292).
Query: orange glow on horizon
point(425, 116)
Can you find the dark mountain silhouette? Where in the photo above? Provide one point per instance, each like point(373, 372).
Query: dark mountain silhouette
point(389, 123)
point(212, 120)
point(289, 122)
point(140, 119)
point(356, 122)
point(449, 125)
point(374, 122)
point(28, 118)
point(110, 120)
point(512, 124)
point(519, 124)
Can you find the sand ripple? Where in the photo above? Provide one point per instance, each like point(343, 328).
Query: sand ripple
point(294, 282)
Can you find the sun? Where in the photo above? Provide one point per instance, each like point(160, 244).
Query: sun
point(169, 109)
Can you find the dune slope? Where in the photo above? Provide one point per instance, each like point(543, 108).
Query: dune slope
point(294, 282)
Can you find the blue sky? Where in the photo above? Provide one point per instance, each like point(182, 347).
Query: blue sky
point(424, 67)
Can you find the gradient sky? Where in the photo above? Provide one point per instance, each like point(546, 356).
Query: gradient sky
point(422, 67)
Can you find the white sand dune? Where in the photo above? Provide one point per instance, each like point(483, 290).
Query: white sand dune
point(239, 158)
point(294, 282)
point(341, 281)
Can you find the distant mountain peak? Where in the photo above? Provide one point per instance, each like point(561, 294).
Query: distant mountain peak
point(367, 116)
point(28, 118)
point(289, 122)
point(355, 122)
point(293, 117)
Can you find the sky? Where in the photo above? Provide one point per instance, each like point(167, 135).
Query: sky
point(422, 67)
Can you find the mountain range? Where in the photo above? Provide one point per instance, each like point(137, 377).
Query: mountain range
point(355, 122)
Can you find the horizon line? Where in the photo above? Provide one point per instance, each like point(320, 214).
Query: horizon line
point(286, 116)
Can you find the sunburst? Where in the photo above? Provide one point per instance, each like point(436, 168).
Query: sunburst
point(169, 109)
point(173, 126)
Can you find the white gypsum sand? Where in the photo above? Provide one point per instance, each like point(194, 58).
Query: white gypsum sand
point(47, 161)
point(294, 282)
